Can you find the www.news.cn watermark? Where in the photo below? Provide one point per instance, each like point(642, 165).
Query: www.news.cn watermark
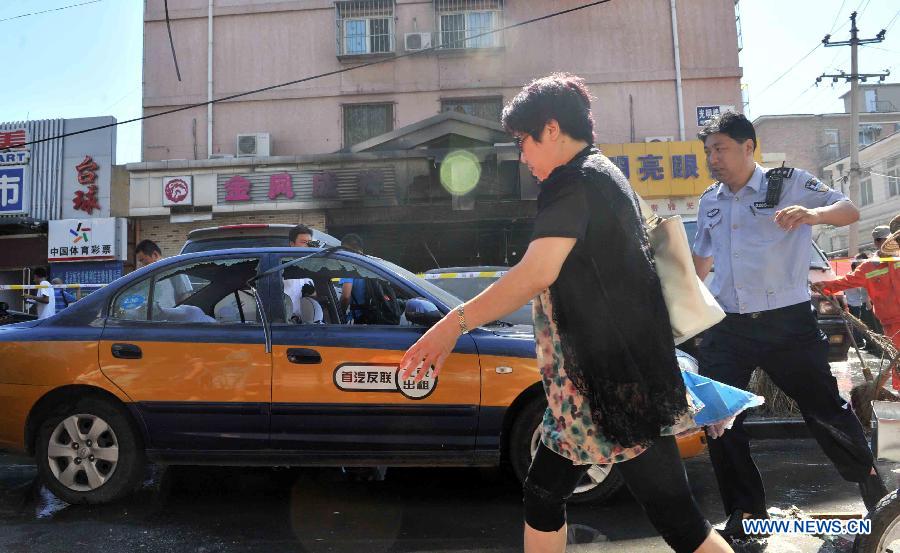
point(825, 526)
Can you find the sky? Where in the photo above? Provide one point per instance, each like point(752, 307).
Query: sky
point(85, 60)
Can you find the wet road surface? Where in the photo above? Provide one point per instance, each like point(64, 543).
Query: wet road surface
point(219, 509)
point(226, 509)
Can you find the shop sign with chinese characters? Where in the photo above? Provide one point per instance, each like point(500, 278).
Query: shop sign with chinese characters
point(663, 169)
point(85, 239)
point(307, 185)
point(87, 200)
point(12, 147)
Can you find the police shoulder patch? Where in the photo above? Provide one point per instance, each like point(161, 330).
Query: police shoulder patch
point(816, 185)
point(710, 188)
point(780, 172)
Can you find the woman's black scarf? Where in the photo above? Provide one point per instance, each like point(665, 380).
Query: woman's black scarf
point(609, 309)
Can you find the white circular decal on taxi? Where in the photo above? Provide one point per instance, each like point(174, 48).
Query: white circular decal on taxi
point(382, 378)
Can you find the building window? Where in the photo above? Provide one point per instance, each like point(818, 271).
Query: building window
point(364, 121)
point(832, 144)
point(865, 192)
point(893, 176)
point(459, 22)
point(364, 27)
point(486, 108)
point(868, 134)
point(737, 25)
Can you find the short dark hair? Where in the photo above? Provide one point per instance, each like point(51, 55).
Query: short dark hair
point(147, 247)
point(732, 124)
point(307, 289)
point(297, 231)
point(39, 272)
point(353, 241)
point(560, 96)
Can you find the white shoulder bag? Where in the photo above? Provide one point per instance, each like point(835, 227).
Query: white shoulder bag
point(692, 307)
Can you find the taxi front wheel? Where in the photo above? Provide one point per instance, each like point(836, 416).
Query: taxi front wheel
point(599, 483)
point(89, 453)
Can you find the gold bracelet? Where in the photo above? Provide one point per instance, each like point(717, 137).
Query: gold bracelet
point(461, 315)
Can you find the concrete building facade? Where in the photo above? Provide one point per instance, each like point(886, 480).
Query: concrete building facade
point(879, 192)
point(811, 142)
point(373, 119)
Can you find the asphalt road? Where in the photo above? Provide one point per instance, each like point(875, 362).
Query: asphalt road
point(213, 509)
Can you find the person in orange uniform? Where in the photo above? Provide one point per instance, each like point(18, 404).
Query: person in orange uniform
point(880, 276)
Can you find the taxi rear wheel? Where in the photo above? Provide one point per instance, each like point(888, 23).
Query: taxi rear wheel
point(599, 483)
point(89, 452)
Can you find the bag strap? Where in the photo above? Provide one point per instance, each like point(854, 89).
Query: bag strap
point(651, 220)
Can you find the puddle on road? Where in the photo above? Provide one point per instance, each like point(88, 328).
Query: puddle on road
point(48, 504)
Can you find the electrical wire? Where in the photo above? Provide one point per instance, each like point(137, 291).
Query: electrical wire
point(313, 77)
point(48, 11)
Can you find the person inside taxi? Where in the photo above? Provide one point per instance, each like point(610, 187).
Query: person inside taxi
point(353, 290)
point(607, 357)
point(299, 237)
point(169, 292)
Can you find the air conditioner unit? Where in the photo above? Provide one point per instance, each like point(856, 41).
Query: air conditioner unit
point(256, 144)
point(413, 42)
point(659, 139)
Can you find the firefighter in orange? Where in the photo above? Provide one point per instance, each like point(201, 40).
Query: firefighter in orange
point(880, 276)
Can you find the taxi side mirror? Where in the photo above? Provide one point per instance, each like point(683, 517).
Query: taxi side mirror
point(420, 311)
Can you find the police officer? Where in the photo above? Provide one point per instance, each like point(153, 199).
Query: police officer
point(756, 226)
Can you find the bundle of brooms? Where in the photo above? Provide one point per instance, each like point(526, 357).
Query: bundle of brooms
point(861, 396)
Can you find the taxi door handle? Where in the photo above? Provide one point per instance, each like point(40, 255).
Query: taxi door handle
point(126, 351)
point(303, 356)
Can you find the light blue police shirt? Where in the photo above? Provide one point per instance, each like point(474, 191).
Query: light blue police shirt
point(758, 266)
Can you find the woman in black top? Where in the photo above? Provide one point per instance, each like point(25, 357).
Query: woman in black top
point(604, 343)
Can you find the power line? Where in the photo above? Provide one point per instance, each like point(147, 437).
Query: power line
point(837, 15)
point(891, 22)
point(770, 85)
point(319, 76)
point(48, 11)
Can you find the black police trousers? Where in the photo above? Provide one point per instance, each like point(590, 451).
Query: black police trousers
point(787, 344)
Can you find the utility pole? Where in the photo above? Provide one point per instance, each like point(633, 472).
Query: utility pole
point(853, 78)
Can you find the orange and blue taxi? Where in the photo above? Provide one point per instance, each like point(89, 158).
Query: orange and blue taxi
point(207, 358)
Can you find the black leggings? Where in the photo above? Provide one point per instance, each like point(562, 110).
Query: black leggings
point(656, 478)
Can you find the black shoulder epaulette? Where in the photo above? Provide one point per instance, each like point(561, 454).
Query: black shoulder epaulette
point(782, 172)
point(711, 187)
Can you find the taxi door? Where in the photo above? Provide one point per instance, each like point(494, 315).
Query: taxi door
point(188, 347)
point(335, 391)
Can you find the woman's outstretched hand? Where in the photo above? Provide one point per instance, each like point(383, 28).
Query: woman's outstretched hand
point(431, 350)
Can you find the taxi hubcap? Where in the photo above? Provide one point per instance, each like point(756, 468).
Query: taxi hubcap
point(83, 452)
point(890, 540)
point(592, 478)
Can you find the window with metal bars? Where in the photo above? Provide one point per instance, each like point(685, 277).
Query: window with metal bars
point(364, 27)
point(461, 22)
point(365, 121)
point(486, 108)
